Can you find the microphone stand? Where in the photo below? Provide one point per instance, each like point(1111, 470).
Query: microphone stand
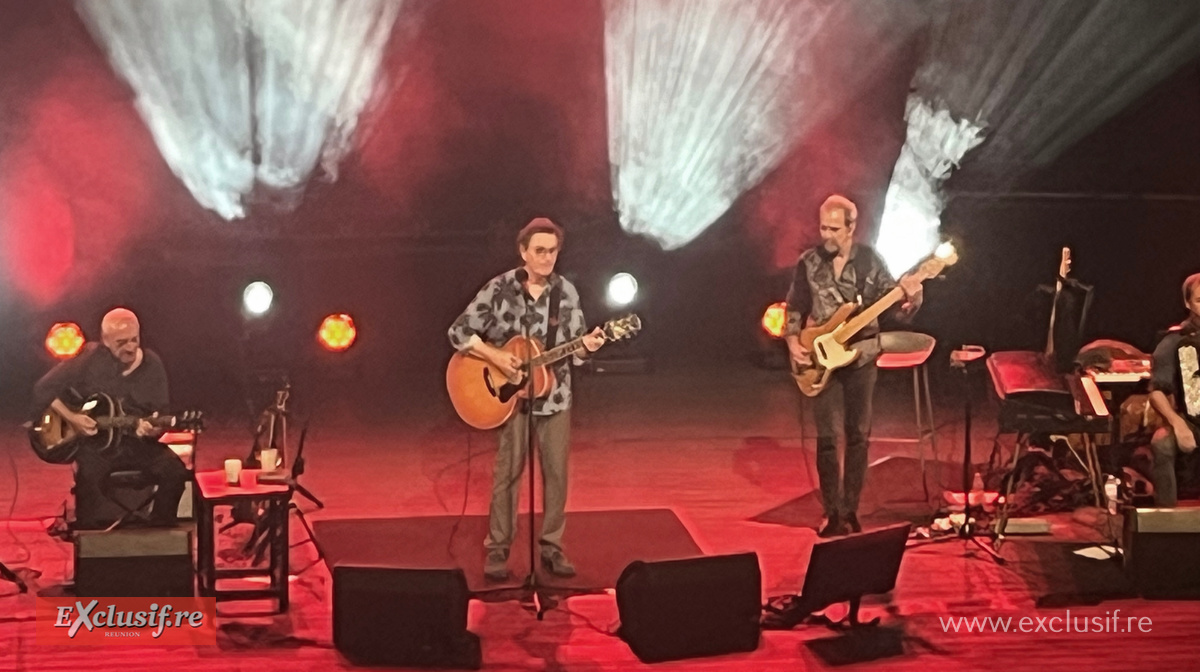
point(531, 584)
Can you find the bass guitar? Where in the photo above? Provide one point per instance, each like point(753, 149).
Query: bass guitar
point(827, 343)
point(57, 441)
point(485, 398)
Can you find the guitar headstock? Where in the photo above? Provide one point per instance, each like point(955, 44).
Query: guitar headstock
point(945, 255)
point(622, 327)
point(1064, 264)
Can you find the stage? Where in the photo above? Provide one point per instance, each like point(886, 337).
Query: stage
point(669, 449)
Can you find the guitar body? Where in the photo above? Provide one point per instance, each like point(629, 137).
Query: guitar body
point(826, 353)
point(481, 394)
point(57, 441)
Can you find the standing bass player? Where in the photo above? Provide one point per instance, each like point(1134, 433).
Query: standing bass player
point(837, 272)
point(549, 306)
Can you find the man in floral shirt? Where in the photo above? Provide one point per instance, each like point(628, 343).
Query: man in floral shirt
point(496, 314)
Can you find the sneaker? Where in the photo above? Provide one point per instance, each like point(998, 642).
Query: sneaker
point(852, 521)
point(833, 527)
point(557, 564)
point(495, 567)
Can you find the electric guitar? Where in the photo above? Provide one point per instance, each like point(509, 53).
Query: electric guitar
point(485, 398)
point(57, 441)
point(826, 342)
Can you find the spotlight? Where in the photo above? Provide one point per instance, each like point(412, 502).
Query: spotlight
point(622, 290)
point(337, 332)
point(256, 298)
point(65, 340)
point(774, 319)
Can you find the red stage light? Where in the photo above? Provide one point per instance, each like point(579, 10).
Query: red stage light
point(337, 332)
point(774, 319)
point(65, 340)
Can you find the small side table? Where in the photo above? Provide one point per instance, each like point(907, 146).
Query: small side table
point(213, 491)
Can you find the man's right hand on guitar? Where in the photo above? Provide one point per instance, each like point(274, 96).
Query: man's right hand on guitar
point(85, 424)
point(508, 363)
point(800, 354)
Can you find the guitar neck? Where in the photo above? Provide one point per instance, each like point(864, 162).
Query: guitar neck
point(558, 352)
point(867, 316)
point(130, 422)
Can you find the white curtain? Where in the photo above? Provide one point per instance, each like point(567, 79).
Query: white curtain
point(706, 97)
point(239, 93)
point(1036, 77)
point(698, 94)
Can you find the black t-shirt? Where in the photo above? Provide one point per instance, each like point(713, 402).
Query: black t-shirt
point(95, 370)
point(1165, 374)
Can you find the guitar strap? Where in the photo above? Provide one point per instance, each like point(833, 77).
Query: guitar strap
point(862, 268)
point(552, 325)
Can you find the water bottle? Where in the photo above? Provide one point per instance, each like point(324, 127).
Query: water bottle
point(975, 497)
point(1110, 493)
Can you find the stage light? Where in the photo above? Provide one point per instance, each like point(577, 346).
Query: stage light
point(256, 298)
point(774, 319)
point(337, 332)
point(935, 144)
point(65, 340)
point(622, 290)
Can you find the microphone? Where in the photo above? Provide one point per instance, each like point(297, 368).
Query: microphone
point(523, 277)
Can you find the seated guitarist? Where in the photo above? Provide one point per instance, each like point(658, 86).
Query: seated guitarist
point(490, 320)
point(135, 377)
point(1179, 433)
point(837, 272)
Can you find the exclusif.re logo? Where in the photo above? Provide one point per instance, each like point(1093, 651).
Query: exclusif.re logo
point(126, 620)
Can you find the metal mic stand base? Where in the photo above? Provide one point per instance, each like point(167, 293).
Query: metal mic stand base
point(9, 575)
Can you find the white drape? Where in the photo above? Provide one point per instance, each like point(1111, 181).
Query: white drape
point(239, 93)
point(1037, 76)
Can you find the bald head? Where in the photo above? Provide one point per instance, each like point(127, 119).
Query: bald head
point(121, 334)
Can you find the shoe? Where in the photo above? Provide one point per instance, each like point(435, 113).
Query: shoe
point(557, 564)
point(495, 567)
point(852, 521)
point(833, 527)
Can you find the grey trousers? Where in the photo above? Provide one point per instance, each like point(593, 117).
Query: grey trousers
point(552, 435)
point(851, 391)
point(1165, 450)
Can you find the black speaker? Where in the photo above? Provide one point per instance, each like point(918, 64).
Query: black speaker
point(152, 562)
point(408, 617)
point(1160, 551)
point(690, 608)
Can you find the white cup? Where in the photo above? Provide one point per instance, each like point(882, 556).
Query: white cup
point(233, 472)
point(269, 457)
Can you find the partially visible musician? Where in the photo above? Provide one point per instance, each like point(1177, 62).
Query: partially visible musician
point(836, 272)
point(134, 376)
point(1167, 396)
point(492, 318)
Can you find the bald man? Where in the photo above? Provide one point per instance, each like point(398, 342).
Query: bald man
point(836, 272)
point(122, 369)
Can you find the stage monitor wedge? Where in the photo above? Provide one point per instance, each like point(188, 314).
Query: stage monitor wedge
point(690, 608)
point(405, 617)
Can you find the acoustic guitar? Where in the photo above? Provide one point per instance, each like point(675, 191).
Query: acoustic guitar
point(827, 343)
point(57, 441)
point(485, 398)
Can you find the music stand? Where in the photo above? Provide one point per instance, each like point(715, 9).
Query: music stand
point(843, 569)
point(292, 480)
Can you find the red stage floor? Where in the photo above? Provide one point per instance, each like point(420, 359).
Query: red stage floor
point(722, 450)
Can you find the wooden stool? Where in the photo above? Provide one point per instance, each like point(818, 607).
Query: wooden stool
point(212, 491)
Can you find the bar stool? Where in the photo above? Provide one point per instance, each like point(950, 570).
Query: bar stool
point(910, 350)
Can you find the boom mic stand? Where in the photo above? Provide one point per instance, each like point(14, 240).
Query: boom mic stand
point(9, 575)
point(961, 360)
point(539, 605)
